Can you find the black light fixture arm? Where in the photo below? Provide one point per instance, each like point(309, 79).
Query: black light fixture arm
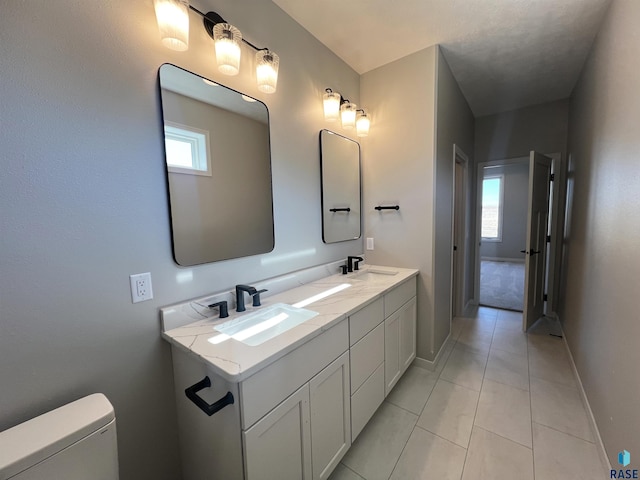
point(211, 18)
point(342, 99)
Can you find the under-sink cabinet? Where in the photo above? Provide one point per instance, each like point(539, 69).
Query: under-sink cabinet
point(296, 417)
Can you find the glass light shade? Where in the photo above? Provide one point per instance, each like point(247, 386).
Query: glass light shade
point(267, 64)
point(348, 114)
point(331, 101)
point(362, 125)
point(227, 40)
point(173, 23)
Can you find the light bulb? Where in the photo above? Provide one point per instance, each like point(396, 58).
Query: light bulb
point(331, 102)
point(267, 64)
point(348, 114)
point(227, 43)
point(362, 124)
point(173, 23)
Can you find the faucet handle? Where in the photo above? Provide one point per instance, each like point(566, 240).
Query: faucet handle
point(224, 310)
point(256, 297)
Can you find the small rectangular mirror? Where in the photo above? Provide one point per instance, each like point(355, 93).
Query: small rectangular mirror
point(341, 195)
point(218, 163)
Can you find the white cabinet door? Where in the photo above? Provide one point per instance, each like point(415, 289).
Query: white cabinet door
point(407, 334)
point(330, 405)
point(279, 445)
point(391, 351)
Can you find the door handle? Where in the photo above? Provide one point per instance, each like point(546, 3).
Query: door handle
point(523, 251)
point(533, 252)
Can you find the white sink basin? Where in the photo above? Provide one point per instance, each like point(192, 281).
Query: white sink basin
point(258, 327)
point(372, 274)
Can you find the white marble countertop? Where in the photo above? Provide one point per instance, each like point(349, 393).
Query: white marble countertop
point(236, 361)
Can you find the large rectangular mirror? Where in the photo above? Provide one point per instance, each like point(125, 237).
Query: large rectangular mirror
point(341, 199)
point(218, 162)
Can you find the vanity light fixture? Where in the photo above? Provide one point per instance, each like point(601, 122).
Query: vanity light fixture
point(173, 22)
point(335, 106)
point(362, 123)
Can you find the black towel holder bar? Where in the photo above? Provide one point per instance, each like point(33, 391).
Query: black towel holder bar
point(388, 207)
point(192, 394)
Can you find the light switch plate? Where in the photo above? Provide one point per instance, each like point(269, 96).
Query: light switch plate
point(141, 288)
point(369, 243)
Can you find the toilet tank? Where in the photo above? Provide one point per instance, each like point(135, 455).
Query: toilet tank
point(74, 442)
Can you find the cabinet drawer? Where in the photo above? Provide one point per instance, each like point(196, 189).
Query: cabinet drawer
point(366, 401)
point(399, 296)
point(270, 386)
point(366, 356)
point(365, 320)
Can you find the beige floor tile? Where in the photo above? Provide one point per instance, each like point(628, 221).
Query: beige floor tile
point(475, 341)
point(413, 389)
point(449, 412)
point(506, 411)
point(464, 368)
point(558, 456)
point(491, 457)
point(378, 447)
point(559, 407)
point(551, 364)
point(511, 341)
point(508, 368)
point(343, 473)
point(444, 356)
point(429, 456)
point(509, 320)
point(457, 324)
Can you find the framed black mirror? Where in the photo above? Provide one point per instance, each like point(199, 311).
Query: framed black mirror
point(341, 187)
point(218, 162)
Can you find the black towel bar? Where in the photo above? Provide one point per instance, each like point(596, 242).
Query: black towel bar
point(389, 207)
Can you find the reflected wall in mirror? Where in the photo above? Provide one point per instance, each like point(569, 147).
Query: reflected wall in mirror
point(218, 164)
point(341, 204)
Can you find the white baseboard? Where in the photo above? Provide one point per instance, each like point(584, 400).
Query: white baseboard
point(503, 259)
point(431, 364)
point(592, 420)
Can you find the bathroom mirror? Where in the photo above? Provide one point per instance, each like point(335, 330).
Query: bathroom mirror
point(340, 174)
point(218, 163)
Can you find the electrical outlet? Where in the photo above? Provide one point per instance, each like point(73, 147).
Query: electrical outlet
point(141, 289)
point(369, 243)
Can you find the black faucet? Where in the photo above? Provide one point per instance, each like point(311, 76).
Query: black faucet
point(240, 289)
point(352, 263)
point(224, 310)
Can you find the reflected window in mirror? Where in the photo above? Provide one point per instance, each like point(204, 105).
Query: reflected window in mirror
point(341, 187)
point(218, 165)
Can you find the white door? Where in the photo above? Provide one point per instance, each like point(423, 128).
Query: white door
point(534, 277)
point(279, 445)
point(330, 402)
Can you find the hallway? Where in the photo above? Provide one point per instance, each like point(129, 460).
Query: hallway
point(500, 405)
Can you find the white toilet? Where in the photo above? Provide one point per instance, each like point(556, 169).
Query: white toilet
point(74, 442)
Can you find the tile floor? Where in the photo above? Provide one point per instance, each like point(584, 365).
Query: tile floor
point(500, 404)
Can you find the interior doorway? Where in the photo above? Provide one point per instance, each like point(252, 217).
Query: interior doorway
point(460, 228)
point(503, 202)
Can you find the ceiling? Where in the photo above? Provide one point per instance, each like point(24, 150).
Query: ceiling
point(505, 54)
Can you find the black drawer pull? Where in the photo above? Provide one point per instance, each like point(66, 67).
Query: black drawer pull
point(192, 394)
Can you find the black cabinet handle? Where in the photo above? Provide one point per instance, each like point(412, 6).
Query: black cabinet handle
point(348, 209)
point(390, 207)
point(192, 394)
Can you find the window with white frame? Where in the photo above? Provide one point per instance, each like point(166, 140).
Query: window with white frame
point(492, 206)
point(187, 149)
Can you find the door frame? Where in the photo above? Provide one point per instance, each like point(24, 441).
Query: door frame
point(554, 263)
point(458, 281)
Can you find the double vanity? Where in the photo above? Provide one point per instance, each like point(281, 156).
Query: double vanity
point(283, 389)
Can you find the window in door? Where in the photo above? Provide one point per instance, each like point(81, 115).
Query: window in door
point(187, 149)
point(492, 206)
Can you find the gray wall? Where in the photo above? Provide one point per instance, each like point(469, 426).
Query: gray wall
point(397, 168)
point(515, 133)
point(600, 309)
point(406, 162)
point(83, 203)
point(514, 213)
point(454, 125)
